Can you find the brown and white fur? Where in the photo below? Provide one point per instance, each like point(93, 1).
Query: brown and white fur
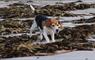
point(46, 26)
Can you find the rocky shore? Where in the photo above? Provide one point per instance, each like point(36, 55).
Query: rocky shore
point(72, 38)
point(24, 11)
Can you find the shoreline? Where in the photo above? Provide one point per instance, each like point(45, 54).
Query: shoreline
point(45, 56)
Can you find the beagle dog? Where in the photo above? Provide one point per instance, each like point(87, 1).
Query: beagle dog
point(47, 26)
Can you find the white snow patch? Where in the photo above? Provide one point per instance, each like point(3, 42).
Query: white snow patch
point(85, 11)
point(76, 55)
point(43, 3)
point(91, 38)
point(75, 18)
point(68, 24)
point(5, 4)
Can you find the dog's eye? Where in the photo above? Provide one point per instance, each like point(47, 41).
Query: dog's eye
point(57, 25)
point(52, 25)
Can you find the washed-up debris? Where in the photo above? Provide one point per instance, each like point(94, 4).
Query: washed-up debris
point(74, 38)
point(22, 10)
point(9, 26)
point(59, 10)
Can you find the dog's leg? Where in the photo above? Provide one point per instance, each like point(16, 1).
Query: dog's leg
point(34, 25)
point(45, 34)
point(52, 36)
point(41, 36)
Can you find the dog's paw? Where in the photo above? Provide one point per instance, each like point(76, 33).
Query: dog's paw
point(48, 41)
point(53, 40)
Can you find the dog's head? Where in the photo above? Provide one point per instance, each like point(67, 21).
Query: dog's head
point(55, 24)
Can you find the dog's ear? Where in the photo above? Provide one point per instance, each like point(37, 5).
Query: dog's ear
point(49, 22)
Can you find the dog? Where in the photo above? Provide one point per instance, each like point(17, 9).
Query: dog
point(47, 26)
